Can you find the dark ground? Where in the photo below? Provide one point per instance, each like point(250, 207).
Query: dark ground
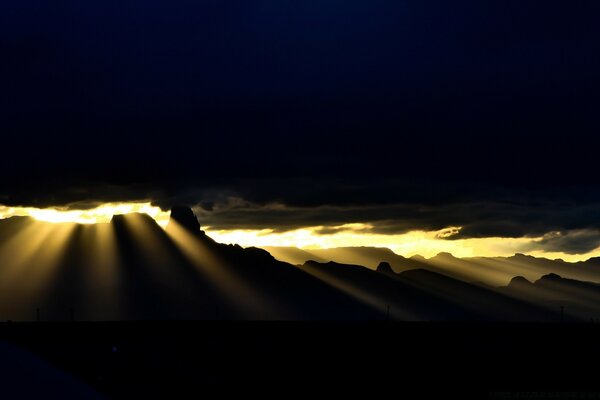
point(166, 359)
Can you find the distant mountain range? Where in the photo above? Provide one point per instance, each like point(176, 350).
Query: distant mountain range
point(369, 257)
point(494, 271)
point(132, 269)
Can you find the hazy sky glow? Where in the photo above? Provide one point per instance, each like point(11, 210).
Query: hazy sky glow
point(100, 214)
point(425, 243)
point(422, 242)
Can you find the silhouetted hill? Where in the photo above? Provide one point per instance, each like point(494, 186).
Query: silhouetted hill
point(424, 295)
point(369, 257)
point(492, 271)
point(480, 300)
point(519, 283)
point(385, 268)
point(131, 268)
point(186, 218)
point(573, 298)
point(292, 255)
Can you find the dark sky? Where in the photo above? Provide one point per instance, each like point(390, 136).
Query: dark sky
point(316, 105)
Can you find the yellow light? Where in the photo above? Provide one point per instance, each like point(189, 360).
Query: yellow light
point(424, 243)
point(99, 214)
point(256, 304)
point(418, 242)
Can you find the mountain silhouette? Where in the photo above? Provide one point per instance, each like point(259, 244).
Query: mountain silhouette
point(492, 271)
point(132, 269)
point(575, 299)
point(519, 283)
point(369, 257)
point(425, 295)
point(384, 267)
point(186, 218)
point(152, 276)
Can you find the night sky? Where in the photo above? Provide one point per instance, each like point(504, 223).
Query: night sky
point(283, 114)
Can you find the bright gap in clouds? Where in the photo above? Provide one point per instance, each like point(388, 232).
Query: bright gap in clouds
point(100, 214)
point(424, 243)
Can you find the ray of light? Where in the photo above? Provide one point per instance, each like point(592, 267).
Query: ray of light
point(424, 243)
point(47, 258)
point(21, 246)
point(102, 274)
point(467, 270)
point(480, 299)
point(366, 297)
point(294, 255)
point(155, 266)
point(238, 293)
point(29, 261)
point(502, 270)
point(153, 248)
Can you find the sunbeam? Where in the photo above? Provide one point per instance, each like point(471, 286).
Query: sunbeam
point(29, 261)
point(102, 273)
point(237, 293)
point(377, 301)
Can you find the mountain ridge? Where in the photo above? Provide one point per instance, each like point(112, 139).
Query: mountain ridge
point(496, 271)
point(132, 269)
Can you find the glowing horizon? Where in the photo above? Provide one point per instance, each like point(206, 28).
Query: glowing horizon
point(416, 242)
point(96, 215)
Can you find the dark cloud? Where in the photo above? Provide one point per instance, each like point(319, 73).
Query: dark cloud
point(513, 215)
point(573, 242)
point(151, 91)
point(404, 114)
point(389, 206)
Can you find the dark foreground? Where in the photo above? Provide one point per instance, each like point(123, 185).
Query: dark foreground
point(165, 359)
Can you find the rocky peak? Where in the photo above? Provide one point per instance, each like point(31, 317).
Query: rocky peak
point(385, 268)
point(186, 218)
point(519, 282)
